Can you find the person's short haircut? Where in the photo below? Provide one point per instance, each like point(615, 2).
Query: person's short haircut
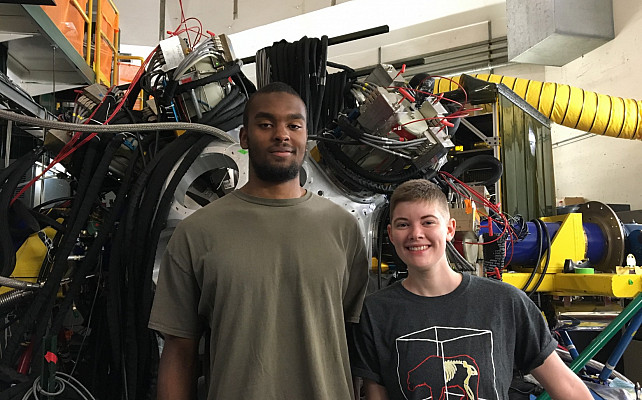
point(419, 190)
point(273, 87)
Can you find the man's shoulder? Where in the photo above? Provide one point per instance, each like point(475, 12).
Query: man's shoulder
point(329, 208)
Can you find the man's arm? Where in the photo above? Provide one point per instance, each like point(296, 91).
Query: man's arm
point(559, 381)
point(177, 369)
point(374, 391)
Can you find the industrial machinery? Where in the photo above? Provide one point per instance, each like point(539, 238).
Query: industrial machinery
point(81, 282)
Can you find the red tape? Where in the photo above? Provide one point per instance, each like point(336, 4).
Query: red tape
point(51, 357)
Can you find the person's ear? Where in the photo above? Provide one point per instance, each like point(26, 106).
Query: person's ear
point(243, 138)
point(389, 234)
point(451, 226)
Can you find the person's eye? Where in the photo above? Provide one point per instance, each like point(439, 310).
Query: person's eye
point(429, 223)
point(295, 127)
point(264, 125)
point(401, 225)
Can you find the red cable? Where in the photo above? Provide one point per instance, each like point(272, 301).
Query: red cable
point(69, 147)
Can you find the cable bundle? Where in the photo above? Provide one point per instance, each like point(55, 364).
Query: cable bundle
point(302, 65)
point(203, 88)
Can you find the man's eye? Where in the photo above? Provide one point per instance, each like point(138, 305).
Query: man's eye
point(265, 125)
point(401, 225)
point(295, 126)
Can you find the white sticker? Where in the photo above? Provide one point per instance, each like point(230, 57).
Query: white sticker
point(172, 52)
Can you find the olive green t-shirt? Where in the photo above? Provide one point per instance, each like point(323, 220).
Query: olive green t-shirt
point(275, 280)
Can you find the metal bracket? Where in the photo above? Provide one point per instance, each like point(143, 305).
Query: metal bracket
point(492, 141)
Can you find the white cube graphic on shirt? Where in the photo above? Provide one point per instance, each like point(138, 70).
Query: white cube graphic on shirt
point(444, 363)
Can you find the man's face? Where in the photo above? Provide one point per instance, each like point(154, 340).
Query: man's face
point(418, 231)
point(275, 136)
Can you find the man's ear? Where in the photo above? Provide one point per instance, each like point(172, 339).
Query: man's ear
point(243, 138)
point(389, 235)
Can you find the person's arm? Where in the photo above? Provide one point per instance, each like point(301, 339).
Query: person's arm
point(177, 369)
point(374, 391)
point(559, 381)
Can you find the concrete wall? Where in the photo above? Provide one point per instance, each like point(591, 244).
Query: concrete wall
point(595, 167)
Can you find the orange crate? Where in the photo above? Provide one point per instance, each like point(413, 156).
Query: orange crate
point(108, 37)
point(126, 74)
point(69, 21)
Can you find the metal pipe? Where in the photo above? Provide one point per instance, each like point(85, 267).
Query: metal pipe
point(10, 298)
point(156, 126)
point(7, 148)
point(341, 39)
point(626, 338)
point(17, 284)
point(568, 343)
point(596, 345)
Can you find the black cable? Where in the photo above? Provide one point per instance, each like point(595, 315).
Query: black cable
point(158, 224)
point(383, 222)
point(321, 81)
point(540, 241)
point(230, 101)
point(483, 159)
point(95, 249)
point(52, 201)
point(334, 140)
point(339, 66)
point(41, 307)
point(44, 220)
point(13, 174)
point(215, 77)
point(548, 257)
point(140, 217)
point(460, 262)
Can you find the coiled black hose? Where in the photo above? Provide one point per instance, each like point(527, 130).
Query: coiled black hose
point(9, 179)
point(44, 301)
point(542, 275)
point(485, 160)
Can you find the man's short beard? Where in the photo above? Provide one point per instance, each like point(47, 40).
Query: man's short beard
point(270, 173)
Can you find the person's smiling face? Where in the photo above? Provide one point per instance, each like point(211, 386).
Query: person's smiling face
point(419, 231)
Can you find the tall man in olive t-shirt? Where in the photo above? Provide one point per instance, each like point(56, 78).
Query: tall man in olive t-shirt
point(273, 270)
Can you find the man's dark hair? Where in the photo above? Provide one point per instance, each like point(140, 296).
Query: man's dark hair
point(273, 87)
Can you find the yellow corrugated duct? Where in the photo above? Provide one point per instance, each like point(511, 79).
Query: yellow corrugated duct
point(571, 106)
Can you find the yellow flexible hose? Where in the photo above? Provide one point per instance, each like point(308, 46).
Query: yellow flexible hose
point(570, 106)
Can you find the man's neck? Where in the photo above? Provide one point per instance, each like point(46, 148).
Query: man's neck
point(270, 190)
point(432, 283)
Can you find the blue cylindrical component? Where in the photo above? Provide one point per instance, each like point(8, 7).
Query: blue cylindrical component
point(595, 242)
point(568, 343)
point(525, 251)
point(626, 338)
point(633, 244)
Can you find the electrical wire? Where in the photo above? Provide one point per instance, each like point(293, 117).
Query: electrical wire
point(91, 313)
point(69, 381)
point(540, 241)
point(548, 257)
